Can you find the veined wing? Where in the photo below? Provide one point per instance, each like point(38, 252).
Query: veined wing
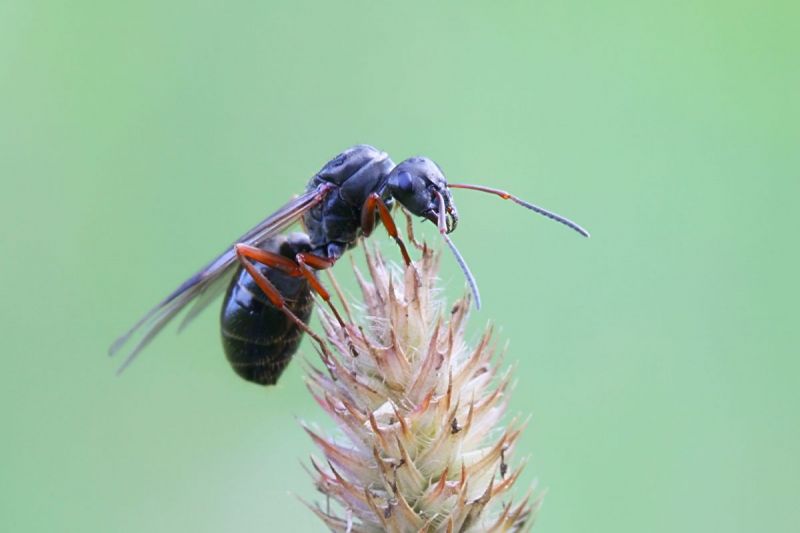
point(209, 280)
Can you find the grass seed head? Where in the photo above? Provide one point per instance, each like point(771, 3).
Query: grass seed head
point(420, 444)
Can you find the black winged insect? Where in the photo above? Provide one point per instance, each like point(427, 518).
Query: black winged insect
point(342, 202)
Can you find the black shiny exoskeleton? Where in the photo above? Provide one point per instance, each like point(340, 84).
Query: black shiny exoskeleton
point(335, 224)
point(342, 202)
point(259, 339)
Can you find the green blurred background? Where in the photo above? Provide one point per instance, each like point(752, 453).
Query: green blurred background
point(659, 358)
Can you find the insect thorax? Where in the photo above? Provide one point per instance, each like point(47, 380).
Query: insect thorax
point(356, 173)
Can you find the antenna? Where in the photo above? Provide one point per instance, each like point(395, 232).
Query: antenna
point(473, 285)
point(535, 208)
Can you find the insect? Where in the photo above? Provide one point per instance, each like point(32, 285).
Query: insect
point(342, 202)
point(259, 339)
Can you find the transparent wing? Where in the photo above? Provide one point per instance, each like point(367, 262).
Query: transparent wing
point(210, 280)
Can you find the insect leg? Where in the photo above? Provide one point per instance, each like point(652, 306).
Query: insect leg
point(297, 269)
point(410, 231)
point(339, 292)
point(246, 254)
point(306, 260)
point(374, 202)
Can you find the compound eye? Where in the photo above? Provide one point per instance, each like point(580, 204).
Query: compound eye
point(404, 182)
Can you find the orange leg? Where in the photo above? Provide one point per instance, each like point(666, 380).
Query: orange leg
point(374, 202)
point(306, 260)
point(247, 254)
point(296, 269)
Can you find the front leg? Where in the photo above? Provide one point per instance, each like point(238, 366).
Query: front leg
point(374, 202)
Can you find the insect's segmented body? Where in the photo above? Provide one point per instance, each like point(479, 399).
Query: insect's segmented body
point(259, 339)
point(334, 224)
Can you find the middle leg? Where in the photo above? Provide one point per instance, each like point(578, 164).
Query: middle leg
point(305, 262)
point(246, 255)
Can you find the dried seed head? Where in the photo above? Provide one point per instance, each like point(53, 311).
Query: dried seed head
point(422, 445)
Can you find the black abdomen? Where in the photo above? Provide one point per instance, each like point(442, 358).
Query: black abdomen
point(259, 339)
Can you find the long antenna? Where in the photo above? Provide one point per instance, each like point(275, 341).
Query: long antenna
point(535, 208)
point(473, 285)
